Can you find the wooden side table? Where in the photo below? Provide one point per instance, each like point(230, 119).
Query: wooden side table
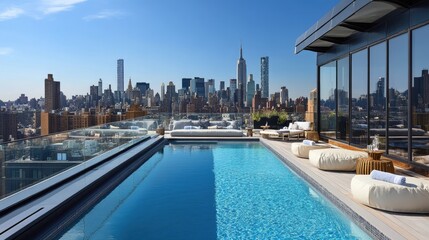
point(366, 165)
point(249, 132)
point(312, 135)
point(375, 154)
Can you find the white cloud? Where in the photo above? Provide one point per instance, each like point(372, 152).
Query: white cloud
point(5, 51)
point(54, 6)
point(9, 13)
point(103, 15)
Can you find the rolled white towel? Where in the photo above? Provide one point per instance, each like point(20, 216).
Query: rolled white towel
point(388, 177)
point(309, 142)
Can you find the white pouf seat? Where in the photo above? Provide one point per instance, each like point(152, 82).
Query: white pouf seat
point(302, 150)
point(335, 159)
point(410, 198)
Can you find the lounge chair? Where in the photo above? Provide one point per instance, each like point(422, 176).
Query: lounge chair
point(335, 159)
point(410, 198)
point(296, 129)
point(302, 150)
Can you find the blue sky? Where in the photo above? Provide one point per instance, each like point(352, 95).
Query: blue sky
point(79, 42)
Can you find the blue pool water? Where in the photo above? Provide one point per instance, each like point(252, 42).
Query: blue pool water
point(214, 191)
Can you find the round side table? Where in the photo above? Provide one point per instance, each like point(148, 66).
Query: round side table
point(366, 165)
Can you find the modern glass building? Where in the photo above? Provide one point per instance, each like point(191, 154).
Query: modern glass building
point(120, 75)
point(372, 67)
point(265, 77)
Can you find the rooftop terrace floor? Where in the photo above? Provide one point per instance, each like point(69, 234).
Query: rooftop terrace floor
point(392, 225)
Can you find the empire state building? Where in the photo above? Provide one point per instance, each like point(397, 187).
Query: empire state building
point(241, 79)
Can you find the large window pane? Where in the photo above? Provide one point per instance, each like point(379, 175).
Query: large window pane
point(343, 124)
point(420, 93)
point(377, 88)
point(328, 99)
point(398, 96)
point(360, 97)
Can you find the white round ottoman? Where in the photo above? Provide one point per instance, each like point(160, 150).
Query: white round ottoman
point(335, 159)
point(302, 150)
point(411, 198)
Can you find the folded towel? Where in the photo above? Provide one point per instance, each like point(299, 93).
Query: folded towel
point(309, 142)
point(388, 177)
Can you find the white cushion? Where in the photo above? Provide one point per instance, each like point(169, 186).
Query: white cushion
point(207, 133)
point(304, 125)
point(422, 159)
point(180, 124)
point(413, 197)
point(335, 159)
point(302, 150)
point(293, 126)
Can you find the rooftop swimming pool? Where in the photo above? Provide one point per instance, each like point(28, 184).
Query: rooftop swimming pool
point(217, 190)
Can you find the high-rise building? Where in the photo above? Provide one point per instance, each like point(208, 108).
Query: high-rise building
point(143, 86)
point(199, 86)
point(264, 77)
point(162, 92)
point(222, 85)
point(100, 88)
point(241, 79)
point(380, 99)
point(52, 94)
point(186, 84)
point(120, 75)
point(250, 91)
point(8, 126)
point(284, 95)
point(211, 86)
point(232, 89)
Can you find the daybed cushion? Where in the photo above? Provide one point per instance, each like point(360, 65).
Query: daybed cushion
point(335, 159)
point(411, 198)
point(181, 124)
point(302, 150)
point(303, 125)
point(207, 133)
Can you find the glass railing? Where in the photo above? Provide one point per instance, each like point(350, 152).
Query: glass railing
point(26, 162)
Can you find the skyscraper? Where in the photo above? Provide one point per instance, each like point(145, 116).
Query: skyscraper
point(52, 94)
point(222, 85)
point(143, 86)
point(100, 88)
point(250, 91)
point(284, 95)
point(241, 79)
point(186, 83)
point(232, 89)
point(264, 77)
point(199, 86)
point(162, 92)
point(120, 76)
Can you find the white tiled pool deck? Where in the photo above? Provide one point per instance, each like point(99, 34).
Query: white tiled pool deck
point(392, 225)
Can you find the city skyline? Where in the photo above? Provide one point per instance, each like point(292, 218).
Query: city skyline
point(80, 41)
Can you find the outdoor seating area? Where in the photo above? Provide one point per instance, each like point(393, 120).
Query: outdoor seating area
point(204, 128)
point(376, 201)
point(377, 189)
point(296, 129)
point(207, 133)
